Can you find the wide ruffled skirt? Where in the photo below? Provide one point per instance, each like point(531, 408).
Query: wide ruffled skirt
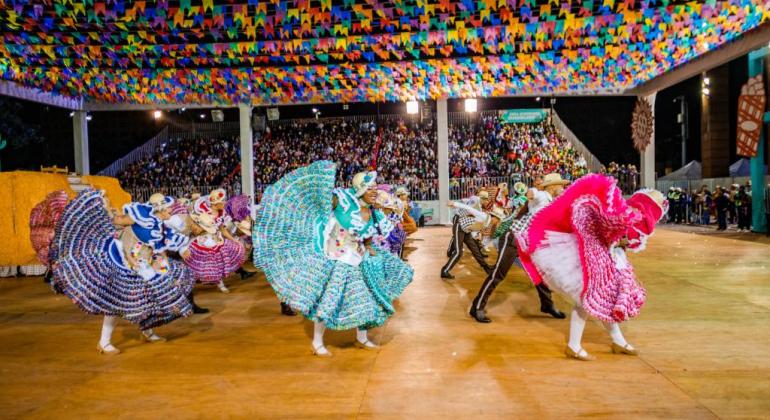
point(615, 299)
point(285, 233)
point(87, 267)
point(212, 264)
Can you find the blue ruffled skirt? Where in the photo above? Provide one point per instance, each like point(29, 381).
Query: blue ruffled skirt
point(87, 268)
point(285, 233)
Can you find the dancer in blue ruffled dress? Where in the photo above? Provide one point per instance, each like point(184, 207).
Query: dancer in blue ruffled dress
point(121, 271)
point(314, 243)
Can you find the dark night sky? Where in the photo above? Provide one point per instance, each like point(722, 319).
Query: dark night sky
point(602, 123)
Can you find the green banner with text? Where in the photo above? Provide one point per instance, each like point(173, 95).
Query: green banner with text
point(523, 115)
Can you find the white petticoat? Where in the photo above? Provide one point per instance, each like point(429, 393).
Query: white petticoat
point(558, 261)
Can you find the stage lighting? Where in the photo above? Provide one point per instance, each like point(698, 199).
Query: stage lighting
point(89, 117)
point(157, 114)
point(72, 114)
point(315, 110)
point(706, 91)
point(471, 105)
point(706, 81)
point(203, 116)
point(412, 107)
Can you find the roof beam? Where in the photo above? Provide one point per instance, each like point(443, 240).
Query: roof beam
point(758, 38)
point(16, 90)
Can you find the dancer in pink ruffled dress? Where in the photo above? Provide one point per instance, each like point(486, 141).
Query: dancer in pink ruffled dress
point(577, 247)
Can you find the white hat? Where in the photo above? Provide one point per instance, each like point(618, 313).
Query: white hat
point(362, 181)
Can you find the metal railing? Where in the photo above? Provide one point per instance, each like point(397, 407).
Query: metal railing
point(173, 131)
point(460, 188)
point(149, 147)
point(710, 183)
point(142, 194)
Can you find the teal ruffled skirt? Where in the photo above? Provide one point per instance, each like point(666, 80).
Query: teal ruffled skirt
point(285, 231)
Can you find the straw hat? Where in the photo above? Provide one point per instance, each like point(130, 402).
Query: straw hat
point(159, 201)
point(553, 179)
point(484, 195)
point(205, 221)
point(362, 181)
point(401, 191)
point(498, 212)
point(217, 196)
point(520, 188)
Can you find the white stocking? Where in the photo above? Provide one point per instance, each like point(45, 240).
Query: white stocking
point(361, 335)
point(577, 323)
point(617, 336)
point(107, 327)
point(318, 338)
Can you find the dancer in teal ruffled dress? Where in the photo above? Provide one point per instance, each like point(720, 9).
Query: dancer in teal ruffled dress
point(314, 244)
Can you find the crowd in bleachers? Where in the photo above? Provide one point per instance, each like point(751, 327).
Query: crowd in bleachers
point(402, 150)
point(184, 162)
point(490, 148)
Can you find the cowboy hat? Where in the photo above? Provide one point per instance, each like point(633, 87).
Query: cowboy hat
point(553, 179)
point(401, 191)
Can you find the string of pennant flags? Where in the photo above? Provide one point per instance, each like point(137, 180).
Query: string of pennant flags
point(285, 51)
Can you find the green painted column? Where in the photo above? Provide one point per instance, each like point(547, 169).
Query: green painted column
point(759, 223)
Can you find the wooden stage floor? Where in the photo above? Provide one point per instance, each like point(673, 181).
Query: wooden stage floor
point(704, 336)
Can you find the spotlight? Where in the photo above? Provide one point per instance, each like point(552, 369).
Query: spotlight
point(315, 110)
point(345, 107)
point(89, 117)
point(706, 91)
point(72, 114)
point(412, 107)
point(471, 105)
point(203, 116)
point(706, 81)
point(184, 109)
point(537, 99)
point(157, 114)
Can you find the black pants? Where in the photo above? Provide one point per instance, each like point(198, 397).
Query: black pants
point(744, 218)
point(507, 253)
point(722, 219)
point(460, 237)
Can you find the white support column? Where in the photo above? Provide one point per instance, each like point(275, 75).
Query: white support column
point(80, 140)
point(247, 153)
point(442, 119)
point(648, 156)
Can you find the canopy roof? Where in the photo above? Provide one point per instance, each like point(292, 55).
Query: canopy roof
point(298, 51)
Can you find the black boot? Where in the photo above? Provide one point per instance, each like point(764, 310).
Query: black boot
point(286, 310)
point(48, 276)
point(447, 276)
point(197, 309)
point(480, 315)
point(244, 274)
point(553, 312)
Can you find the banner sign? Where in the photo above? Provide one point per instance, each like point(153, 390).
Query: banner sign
point(523, 115)
point(751, 111)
